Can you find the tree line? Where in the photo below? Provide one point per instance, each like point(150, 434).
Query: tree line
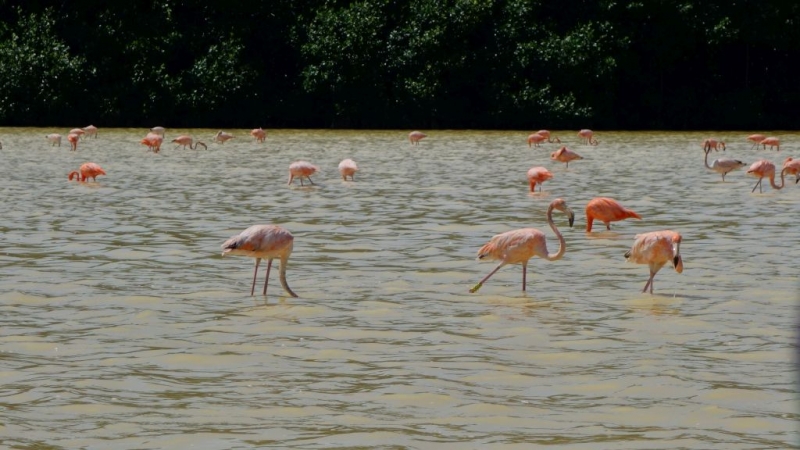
point(485, 64)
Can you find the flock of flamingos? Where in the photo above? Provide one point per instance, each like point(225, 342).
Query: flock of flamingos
point(656, 248)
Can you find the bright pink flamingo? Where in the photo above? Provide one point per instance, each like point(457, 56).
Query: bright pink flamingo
point(153, 141)
point(764, 168)
point(54, 139)
point(535, 139)
point(87, 170)
point(756, 139)
point(73, 140)
point(713, 144)
point(518, 246)
point(587, 137)
point(546, 134)
point(792, 167)
point(263, 241)
point(606, 210)
point(301, 169)
point(259, 134)
point(186, 141)
point(772, 142)
point(347, 168)
point(90, 130)
point(416, 136)
point(565, 155)
point(656, 249)
point(222, 137)
point(538, 175)
point(723, 165)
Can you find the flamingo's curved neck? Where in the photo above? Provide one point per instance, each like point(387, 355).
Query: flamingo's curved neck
point(708, 150)
point(772, 180)
point(562, 244)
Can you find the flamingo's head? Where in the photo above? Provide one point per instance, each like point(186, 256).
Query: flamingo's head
point(561, 205)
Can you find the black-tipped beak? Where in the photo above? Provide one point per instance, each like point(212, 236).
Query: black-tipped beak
point(571, 216)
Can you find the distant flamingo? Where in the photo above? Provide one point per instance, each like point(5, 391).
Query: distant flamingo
point(347, 168)
point(546, 134)
point(158, 130)
point(606, 210)
point(713, 144)
point(153, 141)
point(301, 169)
point(756, 139)
point(186, 141)
point(535, 139)
point(416, 136)
point(772, 142)
point(565, 155)
point(586, 137)
point(263, 241)
point(54, 139)
point(723, 165)
point(538, 175)
point(90, 130)
point(259, 134)
point(222, 137)
point(656, 249)
point(792, 167)
point(73, 140)
point(78, 131)
point(87, 170)
point(518, 246)
point(764, 168)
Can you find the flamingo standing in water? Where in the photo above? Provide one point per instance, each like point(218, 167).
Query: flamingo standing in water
point(222, 137)
point(723, 165)
point(587, 137)
point(301, 169)
point(772, 142)
point(54, 139)
point(259, 134)
point(73, 140)
point(90, 130)
point(565, 155)
point(764, 168)
point(415, 136)
point(713, 144)
point(546, 134)
point(347, 168)
point(263, 241)
point(606, 210)
point(792, 167)
point(656, 249)
point(186, 141)
point(78, 131)
point(153, 141)
point(756, 139)
point(538, 175)
point(518, 246)
point(535, 139)
point(86, 171)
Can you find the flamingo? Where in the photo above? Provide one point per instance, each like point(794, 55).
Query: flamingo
point(565, 155)
point(222, 137)
point(790, 166)
point(713, 144)
point(416, 136)
point(263, 241)
point(186, 141)
point(656, 249)
point(153, 141)
point(586, 137)
point(73, 140)
point(158, 130)
point(772, 142)
point(518, 246)
point(723, 165)
point(301, 169)
point(87, 170)
point(764, 168)
point(259, 134)
point(54, 139)
point(546, 134)
point(90, 130)
point(535, 139)
point(347, 168)
point(538, 175)
point(606, 210)
point(756, 139)
point(78, 131)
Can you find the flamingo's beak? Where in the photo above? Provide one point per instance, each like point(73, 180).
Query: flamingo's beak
point(678, 263)
point(570, 216)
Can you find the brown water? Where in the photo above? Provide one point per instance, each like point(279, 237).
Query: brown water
point(122, 327)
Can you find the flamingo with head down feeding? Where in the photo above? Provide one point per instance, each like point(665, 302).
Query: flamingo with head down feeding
point(762, 169)
point(90, 130)
point(259, 134)
point(73, 140)
point(187, 141)
point(656, 249)
point(587, 137)
point(756, 139)
point(538, 175)
point(607, 210)
point(792, 167)
point(301, 169)
point(347, 168)
point(415, 136)
point(86, 171)
point(713, 144)
point(263, 241)
point(772, 142)
point(546, 134)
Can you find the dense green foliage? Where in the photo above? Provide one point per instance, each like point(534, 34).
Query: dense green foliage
point(514, 64)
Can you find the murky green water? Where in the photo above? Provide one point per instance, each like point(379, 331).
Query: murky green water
point(122, 327)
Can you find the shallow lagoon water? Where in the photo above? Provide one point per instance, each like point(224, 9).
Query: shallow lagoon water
point(123, 327)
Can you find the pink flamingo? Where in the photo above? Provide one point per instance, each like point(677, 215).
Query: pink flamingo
point(723, 165)
point(772, 142)
point(73, 140)
point(78, 131)
point(756, 139)
point(606, 210)
point(546, 134)
point(259, 134)
point(87, 170)
point(347, 168)
point(301, 169)
point(565, 155)
point(713, 144)
point(90, 130)
point(518, 246)
point(54, 139)
point(263, 241)
point(656, 249)
point(764, 168)
point(792, 167)
point(586, 137)
point(535, 139)
point(538, 175)
point(222, 137)
point(416, 136)
point(186, 141)
point(153, 142)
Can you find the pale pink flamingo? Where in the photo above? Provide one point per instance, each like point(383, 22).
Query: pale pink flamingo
point(546, 134)
point(723, 165)
point(54, 139)
point(187, 141)
point(772, 142)
point(656, 249)
point(565, 155)
point(607, 210)
point(535, 139)
point(259, 134)
point(416, 136)
point(538, 175)
point(764, 168)
point(756, 139)
point(158, 130)
point(73, 140)
point(222, 137)
point(78, 131)
point(301, 169)
point(90, 130)
point(86, 171)
point(518, 246)
point(347, 168)
point(792, 167)
point(587, 137)
point(263, 241)
point(713, 144)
